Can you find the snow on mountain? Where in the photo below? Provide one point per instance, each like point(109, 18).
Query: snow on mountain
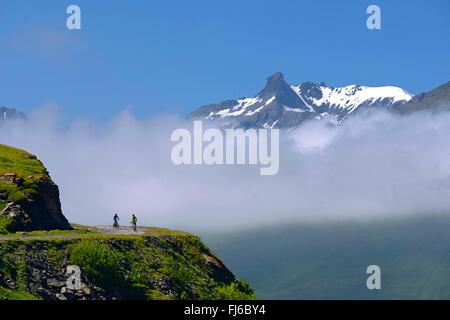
point(280, 105)
point(351, 97)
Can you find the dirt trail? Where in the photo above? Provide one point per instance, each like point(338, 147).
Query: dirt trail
point(101, 230)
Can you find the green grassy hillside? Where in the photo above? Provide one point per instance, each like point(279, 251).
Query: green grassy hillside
point(29, 200)
point(329, 261)
point(160, 264)
point(21, 162)
point(25, 167)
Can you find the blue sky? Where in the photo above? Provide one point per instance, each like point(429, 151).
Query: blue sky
point(173, 56)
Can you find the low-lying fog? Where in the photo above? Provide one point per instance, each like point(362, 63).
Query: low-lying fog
point(372, 166)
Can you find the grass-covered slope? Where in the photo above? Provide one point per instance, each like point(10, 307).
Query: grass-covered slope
point(21, 162)
point(18, 165)
point(29, 200)
point(160, 264)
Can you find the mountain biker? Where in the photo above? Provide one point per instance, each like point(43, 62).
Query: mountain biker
point(133, 221)
point(116, 219)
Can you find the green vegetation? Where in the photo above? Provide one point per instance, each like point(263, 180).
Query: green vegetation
point(6, 225)
point(29, 200)
point(6, 294)
point(79, 230)
point(22, 163)
point(238, 290)
point(133, 266)
point(17, 272)
point(25, 170)
point(15, 192)
point(98, 262)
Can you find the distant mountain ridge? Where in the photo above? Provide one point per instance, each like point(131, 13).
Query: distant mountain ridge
point(434, 101)
point(10, 113)
point(280, 105)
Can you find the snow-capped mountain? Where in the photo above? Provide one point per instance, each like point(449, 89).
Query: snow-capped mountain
point(10, 113)
point(280, 105)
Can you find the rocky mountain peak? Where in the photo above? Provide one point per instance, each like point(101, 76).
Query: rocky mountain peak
point(275, 85)
point(280, 105)
point(279, 93)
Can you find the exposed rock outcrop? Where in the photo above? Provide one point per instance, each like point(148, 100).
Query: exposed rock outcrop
point(38, 211)
point(96, 268)
point(29, 200)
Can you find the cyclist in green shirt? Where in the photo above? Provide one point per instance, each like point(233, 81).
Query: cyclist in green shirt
point(133, 222)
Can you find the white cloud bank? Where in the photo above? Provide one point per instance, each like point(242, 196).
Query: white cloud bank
point(375, 166)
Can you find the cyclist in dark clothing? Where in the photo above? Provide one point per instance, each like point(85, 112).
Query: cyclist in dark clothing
point(116, 220)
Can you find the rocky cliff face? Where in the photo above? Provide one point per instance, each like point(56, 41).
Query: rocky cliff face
point(169, 266)
point(36, 211)
point(29, 200)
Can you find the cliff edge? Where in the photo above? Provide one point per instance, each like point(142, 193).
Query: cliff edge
point(29, 200)
point(157, 264)
point(49, 259)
